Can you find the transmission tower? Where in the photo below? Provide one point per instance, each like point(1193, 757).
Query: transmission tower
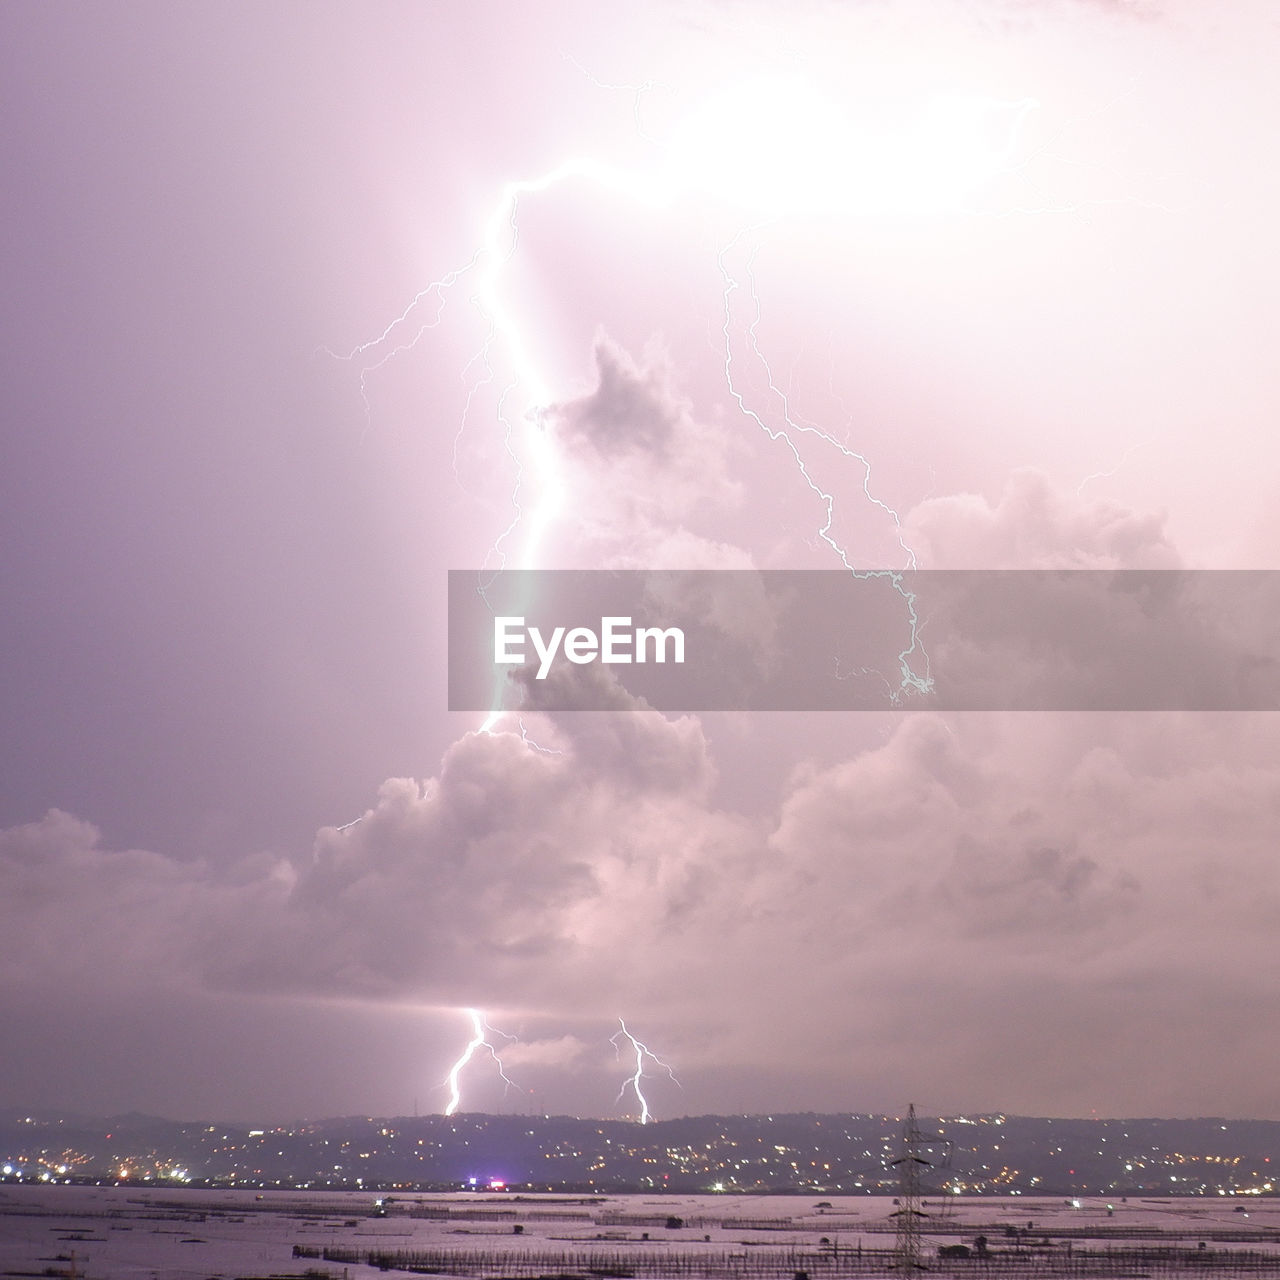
point(909, 1213)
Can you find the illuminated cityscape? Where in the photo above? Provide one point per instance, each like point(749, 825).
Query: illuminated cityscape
point(847, 1154)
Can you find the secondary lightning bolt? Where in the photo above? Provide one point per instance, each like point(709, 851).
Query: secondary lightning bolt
point(1106, 475)
point(638, 92)
point(480, 1032)
point(385, 347)
point(911, 681)
point(642, 1051)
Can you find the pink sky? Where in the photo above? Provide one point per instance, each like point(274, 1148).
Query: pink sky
point(1015, 274)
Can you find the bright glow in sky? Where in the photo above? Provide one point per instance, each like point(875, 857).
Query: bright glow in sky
point(775, 147)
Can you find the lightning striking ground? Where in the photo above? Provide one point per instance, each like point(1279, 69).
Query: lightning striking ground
point(480, 1032)
point(505, 366)
point(633, 1082)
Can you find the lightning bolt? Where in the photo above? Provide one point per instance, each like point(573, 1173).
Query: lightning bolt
point(536, 746)
point(637, 91)
point(1106, 475)
point(480, 1032)
point(388, 345)
point(927, 165)
point(525, 393)
point(500, 241)
point(642, 1051)
point(911, 680)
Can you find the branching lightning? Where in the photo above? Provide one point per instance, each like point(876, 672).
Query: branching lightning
point(760, 148)
point(385, 347)
point(1106, 475)
point(637, 91)
point(532, 450)
point(480, 1033)
point(633, 1082)
point(911, 681)
point(752, 145)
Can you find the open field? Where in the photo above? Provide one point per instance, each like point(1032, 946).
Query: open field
point(123, 1233)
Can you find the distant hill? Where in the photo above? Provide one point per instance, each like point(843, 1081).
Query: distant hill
point(837, 1154)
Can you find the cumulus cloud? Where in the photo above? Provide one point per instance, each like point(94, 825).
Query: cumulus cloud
point(1128, 634)
point(1012, 876)
point(561, 1052)
point(923, 833)
point(647, 478)
point(102, 917)
point(1034, 526)
point(982, 899)
point(514, 874)
point(632, 411)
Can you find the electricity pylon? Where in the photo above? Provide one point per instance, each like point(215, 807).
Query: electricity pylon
point(909, 1213)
